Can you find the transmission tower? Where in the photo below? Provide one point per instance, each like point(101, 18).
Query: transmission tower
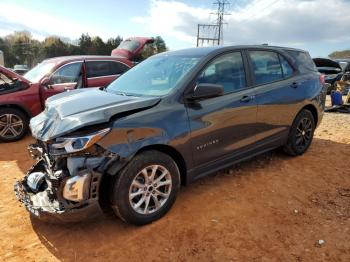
point(213, 33)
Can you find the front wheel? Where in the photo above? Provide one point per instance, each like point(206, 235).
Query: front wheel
point(300, 134)
point(146, 188)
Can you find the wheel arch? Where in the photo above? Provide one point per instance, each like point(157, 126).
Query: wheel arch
point(313, 111)
point(18, 107)
point(174, 154)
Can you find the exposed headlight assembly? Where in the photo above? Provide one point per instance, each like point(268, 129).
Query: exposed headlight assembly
point(75, 144)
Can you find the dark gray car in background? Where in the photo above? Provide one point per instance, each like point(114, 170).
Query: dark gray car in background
point(170, 120)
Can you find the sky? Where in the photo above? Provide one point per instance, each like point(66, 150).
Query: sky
point(319, 26)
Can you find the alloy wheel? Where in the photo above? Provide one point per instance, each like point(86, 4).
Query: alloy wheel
point(304, 133)
point(11, 126)
point(150, 189)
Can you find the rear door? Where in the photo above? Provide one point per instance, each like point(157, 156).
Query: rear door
point(276, 93)
point(65, 78)
point(225, 124)
point(102, 72)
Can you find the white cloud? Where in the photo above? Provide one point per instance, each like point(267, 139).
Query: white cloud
point(285, 22)
point(174, 19)
point(16, 18)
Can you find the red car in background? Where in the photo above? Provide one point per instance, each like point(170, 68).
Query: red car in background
point(22, 97)
point(132, 47)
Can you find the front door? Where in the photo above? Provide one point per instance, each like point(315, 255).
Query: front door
point(225, 124)
point(65, 78)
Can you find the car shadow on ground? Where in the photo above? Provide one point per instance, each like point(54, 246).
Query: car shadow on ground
point(108, 237)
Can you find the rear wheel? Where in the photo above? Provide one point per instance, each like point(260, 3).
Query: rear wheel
point(301, 134)
point(146, 188)
point(13, 124)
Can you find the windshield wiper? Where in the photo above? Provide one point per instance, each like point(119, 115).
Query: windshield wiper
point(121, 93)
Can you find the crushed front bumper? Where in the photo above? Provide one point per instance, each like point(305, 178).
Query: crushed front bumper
point(50, 214)
point(47, 200)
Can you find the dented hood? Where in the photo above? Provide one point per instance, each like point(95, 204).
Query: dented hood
point(12, 74)
point(69, 111)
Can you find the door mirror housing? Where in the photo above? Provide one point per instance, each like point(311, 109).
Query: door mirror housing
point(45, 82)
point(206, 90)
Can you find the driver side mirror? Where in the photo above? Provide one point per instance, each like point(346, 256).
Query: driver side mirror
point(46, 82)
point(206, 90)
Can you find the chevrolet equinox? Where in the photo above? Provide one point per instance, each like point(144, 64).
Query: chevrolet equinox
point(170, 120)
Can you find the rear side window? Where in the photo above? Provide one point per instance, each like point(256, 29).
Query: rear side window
point(287, 70)
point(302, 60)
point(226, 70)
point(266, 66)
point(118, 68)
point(104, 68)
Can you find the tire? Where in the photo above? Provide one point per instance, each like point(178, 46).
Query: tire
point(14, 124)
point(301, 134)
point(129, 188)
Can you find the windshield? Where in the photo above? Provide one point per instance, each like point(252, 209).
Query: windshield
point(39, 71)
point(155, 76)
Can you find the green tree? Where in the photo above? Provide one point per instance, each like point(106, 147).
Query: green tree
point(9, 56)
point(20, 43)
point(85, 44)
point(98, 47)
point(113, 43)
point(53, 46)
point(160, 45)
point(21, 48)
point(340, 54)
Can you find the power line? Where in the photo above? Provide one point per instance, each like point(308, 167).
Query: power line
point(213, 33)
point(260, 10)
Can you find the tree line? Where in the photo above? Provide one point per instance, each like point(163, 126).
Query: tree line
point(21, 48)
point(340, 54)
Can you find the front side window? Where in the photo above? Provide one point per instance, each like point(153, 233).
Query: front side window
point(156, 76)
point(104, 68)
point(226, 70)
point(266, 66)
point(69, 73)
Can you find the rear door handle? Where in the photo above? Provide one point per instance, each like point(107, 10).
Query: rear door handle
point(294, 85)
point(246, 99)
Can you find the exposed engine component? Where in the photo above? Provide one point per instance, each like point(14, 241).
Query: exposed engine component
point(36, 181)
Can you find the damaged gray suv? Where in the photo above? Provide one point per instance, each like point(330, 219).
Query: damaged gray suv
point(173, 118)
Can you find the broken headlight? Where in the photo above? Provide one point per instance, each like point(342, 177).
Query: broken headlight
point(78, 143)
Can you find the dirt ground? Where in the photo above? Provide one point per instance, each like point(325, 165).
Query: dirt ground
point(271, 208)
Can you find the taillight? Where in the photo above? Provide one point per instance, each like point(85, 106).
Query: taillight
point(322, 79)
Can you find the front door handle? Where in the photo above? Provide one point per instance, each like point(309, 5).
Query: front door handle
point(246, 99)
point(294, 85)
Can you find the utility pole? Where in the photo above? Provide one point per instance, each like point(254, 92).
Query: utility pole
point(213, 33)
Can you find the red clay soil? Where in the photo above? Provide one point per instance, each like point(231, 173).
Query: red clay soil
point(271, 208)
